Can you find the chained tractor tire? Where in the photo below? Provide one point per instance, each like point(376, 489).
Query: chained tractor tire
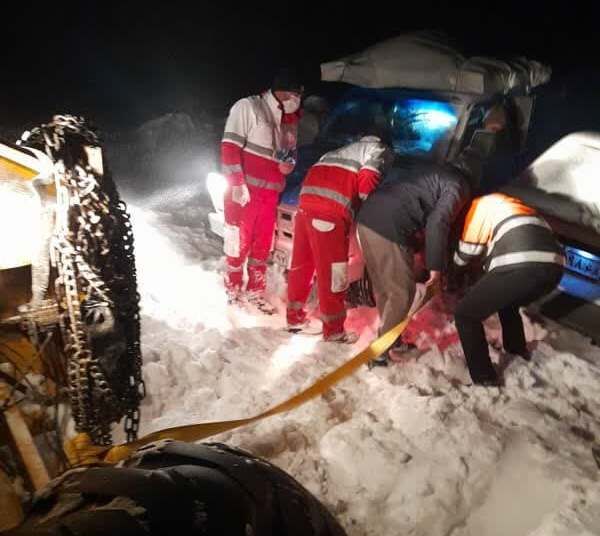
point(69, 306)
point(180, 488)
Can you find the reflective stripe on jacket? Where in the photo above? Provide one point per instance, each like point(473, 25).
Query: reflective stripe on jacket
point(337, 183)
point(253, 136)
point(507, 233)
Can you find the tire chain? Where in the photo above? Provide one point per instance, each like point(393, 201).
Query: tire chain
point(92, 249)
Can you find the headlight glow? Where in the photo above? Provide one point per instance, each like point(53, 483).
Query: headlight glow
point(20, 224)
point(216, 185)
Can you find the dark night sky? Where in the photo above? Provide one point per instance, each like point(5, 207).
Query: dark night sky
point(123, 63)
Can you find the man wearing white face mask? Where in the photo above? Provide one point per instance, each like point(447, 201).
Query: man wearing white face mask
point(257, 152)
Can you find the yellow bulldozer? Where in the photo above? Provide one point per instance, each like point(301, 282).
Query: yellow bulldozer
point(70, 362)
point(69, 315)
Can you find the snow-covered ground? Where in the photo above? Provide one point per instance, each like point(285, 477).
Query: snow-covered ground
point(410, 449)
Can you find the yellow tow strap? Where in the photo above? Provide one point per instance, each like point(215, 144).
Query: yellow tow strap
point(81, 451)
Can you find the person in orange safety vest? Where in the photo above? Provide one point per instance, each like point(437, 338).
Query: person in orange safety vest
point(522, 262)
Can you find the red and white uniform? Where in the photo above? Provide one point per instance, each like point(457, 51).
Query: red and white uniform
point(331, 194)
point(256, 130)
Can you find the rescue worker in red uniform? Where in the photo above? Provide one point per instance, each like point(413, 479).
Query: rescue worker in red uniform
point(257, 152)
point(330, 197)
point(522, 261)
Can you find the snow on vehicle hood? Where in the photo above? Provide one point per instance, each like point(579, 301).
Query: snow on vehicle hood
point(563, 181)
point(425, 61)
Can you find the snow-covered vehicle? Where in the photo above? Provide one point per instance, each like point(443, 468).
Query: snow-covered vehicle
point(562, 183)
point(428, 97)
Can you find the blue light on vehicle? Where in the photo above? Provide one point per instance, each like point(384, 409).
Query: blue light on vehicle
point(432, 115)
point(436, 119)
point(418, 124)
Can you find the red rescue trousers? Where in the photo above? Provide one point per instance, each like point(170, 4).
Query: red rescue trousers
point(320, 244)
point(249, 236)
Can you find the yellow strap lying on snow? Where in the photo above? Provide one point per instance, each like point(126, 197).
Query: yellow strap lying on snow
point(77, 447)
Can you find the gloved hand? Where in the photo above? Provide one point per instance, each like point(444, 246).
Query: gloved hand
point(240, 195)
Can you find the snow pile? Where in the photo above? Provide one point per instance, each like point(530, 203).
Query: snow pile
point(405, 450)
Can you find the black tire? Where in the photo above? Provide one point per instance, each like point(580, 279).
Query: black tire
point(176, 488)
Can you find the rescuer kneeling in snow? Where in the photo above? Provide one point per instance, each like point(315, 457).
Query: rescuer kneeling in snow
point(522, 261)
point(330, 196)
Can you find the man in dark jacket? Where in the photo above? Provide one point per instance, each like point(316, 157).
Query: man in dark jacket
point(427, 199)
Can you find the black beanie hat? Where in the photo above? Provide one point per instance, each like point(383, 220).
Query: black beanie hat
point(287, 79)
